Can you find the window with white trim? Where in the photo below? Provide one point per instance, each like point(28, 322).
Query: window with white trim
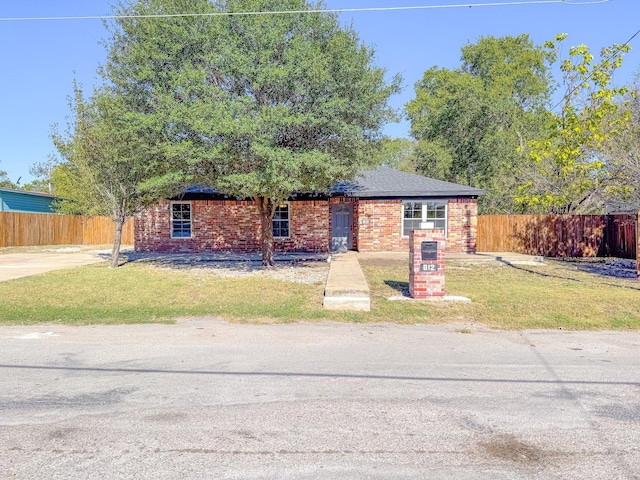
point(281, 221)
point(180, 219)
point(434, 214)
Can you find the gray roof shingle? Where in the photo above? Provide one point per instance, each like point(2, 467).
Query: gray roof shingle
point(389, 182)
point(380, 182)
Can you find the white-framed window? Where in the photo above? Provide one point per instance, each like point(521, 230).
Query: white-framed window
point(434, 214)
point(281, 221)
point(181, 219)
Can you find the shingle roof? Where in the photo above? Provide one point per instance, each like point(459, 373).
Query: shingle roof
point(381, 182)
point(389, 182)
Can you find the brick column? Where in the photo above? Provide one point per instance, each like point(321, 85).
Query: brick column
point(426, 277)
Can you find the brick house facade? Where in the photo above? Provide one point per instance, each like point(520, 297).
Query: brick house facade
point(376, 222)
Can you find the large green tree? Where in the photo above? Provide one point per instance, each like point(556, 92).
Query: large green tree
point(257, 106)
point(470, 121)
point(111, 161)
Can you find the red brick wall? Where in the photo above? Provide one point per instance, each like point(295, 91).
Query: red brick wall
point(462, 225)
point(232, 226)
point(380, 226)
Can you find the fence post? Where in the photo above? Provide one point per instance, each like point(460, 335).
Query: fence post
point(637, 243)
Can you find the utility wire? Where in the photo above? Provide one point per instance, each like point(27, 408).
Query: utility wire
point(290, 12)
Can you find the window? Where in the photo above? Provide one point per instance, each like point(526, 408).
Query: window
point(181, 220)
point(415, 213)
point(281, 221)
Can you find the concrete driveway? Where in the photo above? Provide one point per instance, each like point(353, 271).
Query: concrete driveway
point(207, 399)
point(17, 265)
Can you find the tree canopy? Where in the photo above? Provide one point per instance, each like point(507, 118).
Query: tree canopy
point(567, 172)
point(257, 106)
point(470, 121)
point(111, 161)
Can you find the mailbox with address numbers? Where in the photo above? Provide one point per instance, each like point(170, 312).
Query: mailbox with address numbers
point(426, 258)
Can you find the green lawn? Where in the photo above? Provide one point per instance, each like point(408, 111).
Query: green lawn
point(552, 296)
point(555, 295)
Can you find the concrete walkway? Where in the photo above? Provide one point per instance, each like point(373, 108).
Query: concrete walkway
point(17, 265)
point(346, 287)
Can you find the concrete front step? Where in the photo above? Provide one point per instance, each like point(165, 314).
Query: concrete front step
point(358, 304)
point(346, 287)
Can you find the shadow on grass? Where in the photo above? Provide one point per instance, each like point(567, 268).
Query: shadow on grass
point(402, 287)
point(584, 269)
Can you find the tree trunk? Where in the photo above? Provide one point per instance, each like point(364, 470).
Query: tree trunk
point(266, 208)
point(119, 220)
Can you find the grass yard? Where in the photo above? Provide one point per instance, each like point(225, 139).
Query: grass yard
point(553, 296)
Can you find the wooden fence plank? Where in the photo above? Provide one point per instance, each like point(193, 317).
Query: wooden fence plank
point(559, 235)
point(19, 229)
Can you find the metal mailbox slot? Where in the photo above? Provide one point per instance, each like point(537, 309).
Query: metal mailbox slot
point(429, 250)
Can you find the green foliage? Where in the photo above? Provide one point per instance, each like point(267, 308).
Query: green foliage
point(567, 172)
point(257, 106)
point(399, 153)
point(621, 154)
point(110, 157)
point(469, 122)
point(109, 153)
point(43, 173)
point(5, 181)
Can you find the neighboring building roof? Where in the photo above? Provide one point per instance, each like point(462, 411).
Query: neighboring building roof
point(389, 182)
point(28, 192)
point(380, 182)
point(614, 206)
point(23, 201)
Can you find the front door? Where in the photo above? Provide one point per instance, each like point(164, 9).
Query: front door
point(341, 239)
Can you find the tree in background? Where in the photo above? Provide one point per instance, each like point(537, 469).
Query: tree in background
point(622, 153)
point(110, 161)
point(5, 181)
point(257, 106)
point(399, 153)
point(567, 172)
point(43, 175)
point(469, 122)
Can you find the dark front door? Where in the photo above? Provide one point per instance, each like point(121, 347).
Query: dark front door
point(341, 239)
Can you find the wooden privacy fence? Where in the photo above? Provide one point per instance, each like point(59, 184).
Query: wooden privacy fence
point(559, 235)
point(27, 229)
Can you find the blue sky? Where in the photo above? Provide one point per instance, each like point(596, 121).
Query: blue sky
point(40, 58)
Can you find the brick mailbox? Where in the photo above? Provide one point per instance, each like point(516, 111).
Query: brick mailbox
point(426, 263)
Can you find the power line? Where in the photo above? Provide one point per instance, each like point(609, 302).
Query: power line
point(291, 12)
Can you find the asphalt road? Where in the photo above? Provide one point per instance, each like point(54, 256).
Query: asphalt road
point(203, 399)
